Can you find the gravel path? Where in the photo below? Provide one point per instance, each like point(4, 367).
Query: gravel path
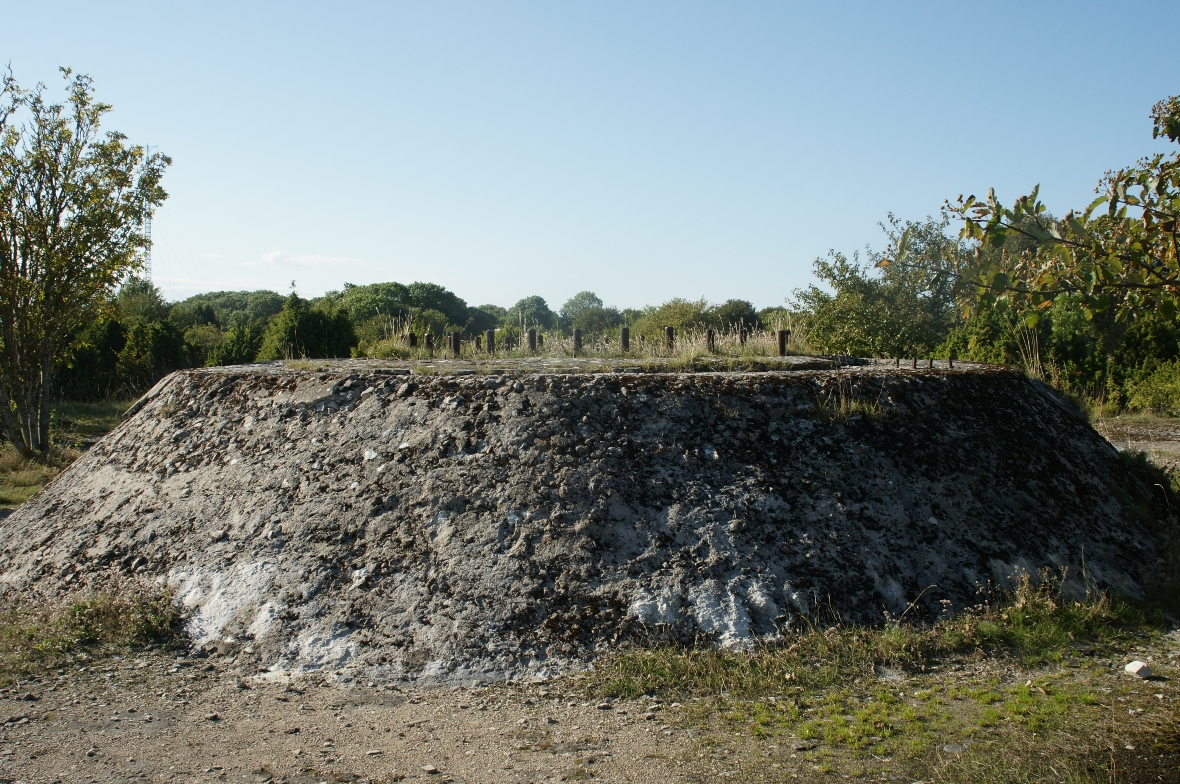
point(158, 719)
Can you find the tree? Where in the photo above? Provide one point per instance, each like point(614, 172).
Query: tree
point(299, 331)
point(72, 203)
point(736, 313)
point(596, 321)
point(531, 312)
point(894, 310)
point(583, 300)
point(1118, 254)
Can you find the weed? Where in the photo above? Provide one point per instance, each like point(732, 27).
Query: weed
point(37, 634)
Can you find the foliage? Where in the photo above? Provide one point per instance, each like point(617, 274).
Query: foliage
point(227, 308)
point(320, 332)
point(597, 321)
point(1119, 254)
point(71, 206)
point(139, 301)
point(152, 350)
point(532, 312)
point(681, 314)
point(891, 311)
point(737, 313)
point(239, 346)
point(583, 300)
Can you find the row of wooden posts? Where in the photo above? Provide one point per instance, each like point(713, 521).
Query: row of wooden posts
point(536, 340)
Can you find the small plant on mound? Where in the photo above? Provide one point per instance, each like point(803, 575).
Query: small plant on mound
point(43, 634)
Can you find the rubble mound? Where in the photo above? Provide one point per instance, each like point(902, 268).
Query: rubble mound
point(379, 524)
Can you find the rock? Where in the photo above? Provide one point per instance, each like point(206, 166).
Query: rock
point(30, 697)
point(953, 748)
point(212, 717)
point(429, 769)
point(373, 752)
point(1139, 669)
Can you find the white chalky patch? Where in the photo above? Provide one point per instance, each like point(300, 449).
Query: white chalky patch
point(719, 612)
point(212, 597)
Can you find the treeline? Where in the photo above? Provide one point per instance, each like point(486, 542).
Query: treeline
point(866, 306)
point(141, 337)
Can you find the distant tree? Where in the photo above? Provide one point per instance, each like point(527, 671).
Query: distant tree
point(532, 312)
point(228, 308)
point(139, 301)
point(583, 300)
point(596, 321)
point(299, 331)
point(680, 314)
point(485, 317)
point(72, 202)
point(736, 313)
point(431, 296)
point(239, 346)
point(884, 310)
point(152, 349)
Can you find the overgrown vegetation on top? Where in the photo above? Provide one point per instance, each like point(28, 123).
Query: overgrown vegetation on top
point(38, 634)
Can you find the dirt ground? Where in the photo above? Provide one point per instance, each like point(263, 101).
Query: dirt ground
point(156, 719)
point(163, 718)
point(1156, 437)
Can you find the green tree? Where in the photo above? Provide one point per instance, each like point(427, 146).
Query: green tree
point(736, 313)
point(152, 350)
point(583, 300)
point(322, 332)
point(72, 203)
point(239, 346)
point(532, 312)
point(139, 301)
point(880, 309)
point(227, 308)
point(597, 321)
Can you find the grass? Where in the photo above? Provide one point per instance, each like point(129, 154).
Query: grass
point(1010, 693)
point(70, 428)
point(37, 634)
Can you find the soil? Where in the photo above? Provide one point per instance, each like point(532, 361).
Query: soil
point(163, 718)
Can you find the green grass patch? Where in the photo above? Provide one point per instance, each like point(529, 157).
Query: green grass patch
point(36, 635)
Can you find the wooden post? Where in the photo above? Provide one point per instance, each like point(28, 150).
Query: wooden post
point(742, 336)
point(413, 339)
point(626, 338)
point(430, 344)
point(532, 339)
point(710, 340)
point(915, 363)
point(950, 362)
point(577, 339)
point(930, 362)
point(669, 337)
point(478, 344)
point(782, 341)
point(491, 340)
point(897, 362)
point(540, 340)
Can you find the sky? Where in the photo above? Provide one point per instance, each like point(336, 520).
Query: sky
point(640, 150)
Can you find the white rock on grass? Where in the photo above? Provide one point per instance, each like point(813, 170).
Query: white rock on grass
point(1139, 669)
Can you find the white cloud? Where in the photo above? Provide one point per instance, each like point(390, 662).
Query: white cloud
point(280, 258)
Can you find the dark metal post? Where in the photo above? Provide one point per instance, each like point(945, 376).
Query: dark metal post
point(742, 336)
point(478, 343)
point(430, 344)
point(456, 345)
point(413, 338)
point(540, 340)
point(577, 339)
point(669, 337)
point(782, 335)
point(710, 340)
point(626, 338)
point(931, 361)
point(491, 340)
point(532, 339)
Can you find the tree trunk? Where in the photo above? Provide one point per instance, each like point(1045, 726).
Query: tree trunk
point(44, 396)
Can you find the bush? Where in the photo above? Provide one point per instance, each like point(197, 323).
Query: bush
point(323, 332)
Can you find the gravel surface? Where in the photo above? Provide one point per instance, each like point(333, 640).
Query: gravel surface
point(160, 719)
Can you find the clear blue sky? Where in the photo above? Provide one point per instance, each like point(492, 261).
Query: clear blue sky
point(640, 150)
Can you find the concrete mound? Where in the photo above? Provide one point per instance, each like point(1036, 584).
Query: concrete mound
point(469, 528)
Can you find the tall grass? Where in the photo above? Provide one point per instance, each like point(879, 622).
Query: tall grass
point(689, 346)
